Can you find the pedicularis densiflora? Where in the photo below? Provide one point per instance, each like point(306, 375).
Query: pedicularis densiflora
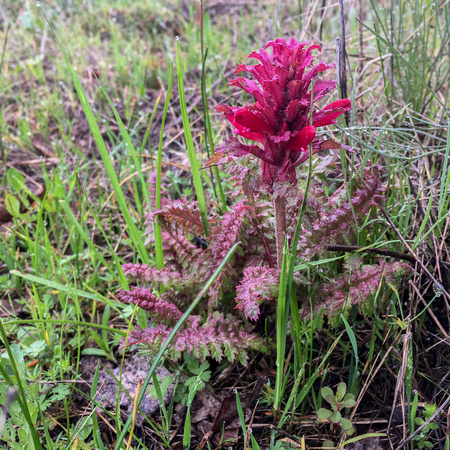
point(282, 120)
point(283, 117)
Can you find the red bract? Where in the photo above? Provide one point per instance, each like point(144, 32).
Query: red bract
point(281, 118)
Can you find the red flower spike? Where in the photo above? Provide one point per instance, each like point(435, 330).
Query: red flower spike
point(280, 118)
point(328, 114)
point(303, 139)
point(251, 120)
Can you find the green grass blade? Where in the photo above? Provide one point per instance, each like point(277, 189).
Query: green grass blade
point(4, 256)
point(363, 436)
point(282, 320)
point(21, 398)
point(408, 64)
point(130, 146)
point(132, 229)
point(150, 123)
point(85, 236)
point(241, 414)
point(209, 136)
point(424, 221)
point(39, 223)
point(122, 277)
point(65, 322)
point(304, 392)
point(158, 234)
point(159, 395)
point(174, 331)
point(96, 433)
point(187, 430)
point(67, 289)
point(195, 167)
point(445, 181)
point(351, 334)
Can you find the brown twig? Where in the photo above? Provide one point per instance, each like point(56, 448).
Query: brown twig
point(437, 283)
point(376, 251)
point(419, 430)
point(342, 58)
point(436, 321)
point(285, 433)
point(400, 383)
point(135, 410)
point(360, 41)
point(321, 19)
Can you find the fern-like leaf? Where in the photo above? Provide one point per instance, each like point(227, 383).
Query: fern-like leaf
point(331, 228)
point(363, 286)
point(161, 310)
point(220, 335)
point(182, 212)
point(259, 284)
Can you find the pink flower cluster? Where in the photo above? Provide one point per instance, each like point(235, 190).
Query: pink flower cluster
point(281, 118)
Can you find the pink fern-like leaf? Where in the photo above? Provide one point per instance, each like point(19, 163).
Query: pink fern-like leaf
point(160, 310)
point(182, 212)
point(259, 284)
point(332, 226)
point(217, 337)
point(180, 254)
point(364, 286)
point(170, 279)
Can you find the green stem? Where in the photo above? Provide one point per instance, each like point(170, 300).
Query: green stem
point(279, 204)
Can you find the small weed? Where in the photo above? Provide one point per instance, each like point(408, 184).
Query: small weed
point(422, 437)
point(338, 402)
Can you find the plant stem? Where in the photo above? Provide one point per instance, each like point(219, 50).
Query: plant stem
point(279, 204)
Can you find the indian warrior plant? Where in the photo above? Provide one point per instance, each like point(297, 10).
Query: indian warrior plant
point(267, 197)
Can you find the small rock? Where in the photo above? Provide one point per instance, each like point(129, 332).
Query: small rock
point(134, 367)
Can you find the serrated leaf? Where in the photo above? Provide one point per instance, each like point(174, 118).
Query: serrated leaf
point(324, 414)
point(206, 375)
point(59, 392)
point(23, 435)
